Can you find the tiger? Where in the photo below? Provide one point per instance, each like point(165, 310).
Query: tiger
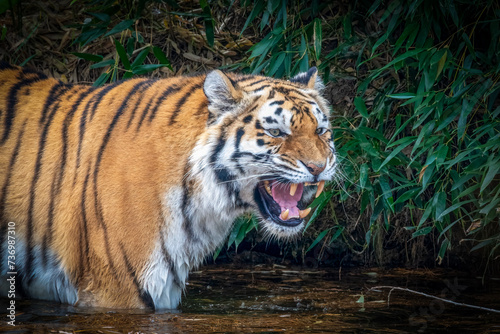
point(113, 194)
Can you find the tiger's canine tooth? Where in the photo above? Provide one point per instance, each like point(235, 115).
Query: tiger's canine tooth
point(293, 188)
point(304, 213)
point(321, 185)
point(284, 214)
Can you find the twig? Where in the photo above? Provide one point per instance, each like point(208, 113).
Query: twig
point(431, 296)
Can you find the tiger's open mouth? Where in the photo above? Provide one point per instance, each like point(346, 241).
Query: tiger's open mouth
point(282, 202)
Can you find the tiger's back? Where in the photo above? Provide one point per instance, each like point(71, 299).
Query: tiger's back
point(108, 187)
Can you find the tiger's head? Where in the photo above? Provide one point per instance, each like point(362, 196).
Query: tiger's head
point(272, 146)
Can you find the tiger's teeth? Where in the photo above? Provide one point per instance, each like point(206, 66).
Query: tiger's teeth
point(267, 187)
point(321, 185)
point(304, 213)
point(293, 188)
point(284, 214)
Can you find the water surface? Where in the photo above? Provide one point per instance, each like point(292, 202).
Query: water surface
point(222, 299)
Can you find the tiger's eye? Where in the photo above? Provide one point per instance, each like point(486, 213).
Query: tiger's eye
point(320, 131)
point(274, 132)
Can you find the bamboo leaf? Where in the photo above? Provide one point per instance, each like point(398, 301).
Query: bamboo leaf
point(122, 54)
point(360, 105)
point(123, 25)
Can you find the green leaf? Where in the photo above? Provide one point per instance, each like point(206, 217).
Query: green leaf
point(360, 105)
point(102, 79)
point(257, 9)
point(337, 233)
point(398, 149)
point(209, 22)
point(407, 195)
point(318, 238)
point(442, 250)
point(363, 176)
point(347, 23)
point(123, 25)
point(162, 58)
point(140, 58)
point(439, 204)
point(238, 223)
point(122, 54)
point(317, 38)
point(325, 199)
point(426, 215)
point(142, 69)
point(401, 96)
point(103, 63)
point(453, 208)
point(492, 173)
point(491, 206)
point(88, 56)
point(422, 231)
point(101, 16)
point(482, 244)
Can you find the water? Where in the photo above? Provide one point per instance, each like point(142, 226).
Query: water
point(222, 299)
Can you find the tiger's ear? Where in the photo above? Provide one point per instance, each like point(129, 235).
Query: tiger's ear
point(223, 94)
point(310, 79)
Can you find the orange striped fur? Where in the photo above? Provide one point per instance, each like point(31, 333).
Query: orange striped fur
point(117, 192)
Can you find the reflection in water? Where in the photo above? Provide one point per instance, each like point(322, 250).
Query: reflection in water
point(260, 299)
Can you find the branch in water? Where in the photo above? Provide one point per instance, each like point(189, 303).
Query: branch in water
point(431, 296)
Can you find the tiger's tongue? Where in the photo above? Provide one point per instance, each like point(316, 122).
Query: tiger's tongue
point(281, 194)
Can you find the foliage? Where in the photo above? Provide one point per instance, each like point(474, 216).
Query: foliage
point(125, 47)
point(427, 136)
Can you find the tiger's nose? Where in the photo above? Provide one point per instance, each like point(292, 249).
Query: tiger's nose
point(315, 169)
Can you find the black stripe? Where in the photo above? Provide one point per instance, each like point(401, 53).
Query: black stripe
point(12, 162)
point(239, 134)
point(170, 262)
point(278, 103)
point(143, 295)
point(84, 253)
point(236, 154)
point(247, 119)
point(223, 174)
point(106, 138)
point(39, 76)
point(34, 181)
point(83, 119)
point(170, 90)
point(187, 224)
point(100, 96)
point(286, 91)
point(139, 101)
point(55, 92)
point(48, 232)
point(202, 109)
point(64, 139)
point(145, 112)
point(255, 82)
point(11, 106)
point(182, 100)
point(94, 101)
point(260, 88)
point(3, 217)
